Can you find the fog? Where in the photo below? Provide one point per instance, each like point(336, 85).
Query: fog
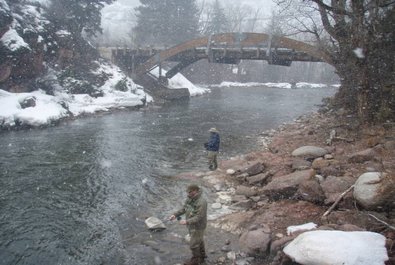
point(118, 18)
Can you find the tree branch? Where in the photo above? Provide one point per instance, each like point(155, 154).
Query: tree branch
point(337, 201)
point(381, 221)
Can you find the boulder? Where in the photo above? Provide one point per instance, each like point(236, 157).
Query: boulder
point(28, 102)
point(334, 186)
point(374, 189)
point(320, 163)
point(362, 156)
point(300, 164)
point(389, 145)
point(258, 179)
point(154, 223)
point(238, 198)
point(286, 186)
point(310, 190)
point(246, 191)
point(254, 169)
point(255, 242)
point(309, 151)
point(245, 204)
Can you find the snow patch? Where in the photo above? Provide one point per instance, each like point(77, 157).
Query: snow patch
point(294, 228)
point(359, 53)
point(179, 81)
point(337, 248)
point(13, 41)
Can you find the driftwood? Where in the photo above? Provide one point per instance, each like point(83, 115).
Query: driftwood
point(333, 137)
point(337, 201)
point(343, 139)
point(381, 221)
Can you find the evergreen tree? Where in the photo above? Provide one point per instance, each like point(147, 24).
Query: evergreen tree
point(217, 22)
point(166, 22)
point(77, 16)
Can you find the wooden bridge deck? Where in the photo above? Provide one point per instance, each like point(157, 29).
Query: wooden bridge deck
point(222, 48)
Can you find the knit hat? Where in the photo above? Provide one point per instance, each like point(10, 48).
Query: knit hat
point(213, 130)
point(192, 187)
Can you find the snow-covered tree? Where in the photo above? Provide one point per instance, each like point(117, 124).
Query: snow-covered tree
point(217, 20)
point(166, 22)
point(77, 16)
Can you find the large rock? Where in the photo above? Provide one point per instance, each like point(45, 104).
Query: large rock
point(246, 191)
point(255, 242)
point(154, 223)
point(254, 169)
point(285, 187)
point(258, 179)
point(334, 186)
point(309, 151)
point(310, 190)
point(375, 189)
point(320, 163)
point(300, 164)
point(338, 247)
point(28, 102)
point(362, 156)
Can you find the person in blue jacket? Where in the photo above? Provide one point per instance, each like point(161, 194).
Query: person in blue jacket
point(212, 146)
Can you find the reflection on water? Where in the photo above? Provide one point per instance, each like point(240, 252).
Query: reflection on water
point(79, 193)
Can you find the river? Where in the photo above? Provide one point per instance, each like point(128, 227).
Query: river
point(78, 193)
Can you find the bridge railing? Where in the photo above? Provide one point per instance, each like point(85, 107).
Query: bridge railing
point(221, 48)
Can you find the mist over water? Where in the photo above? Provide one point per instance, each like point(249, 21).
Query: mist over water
point(78, 193)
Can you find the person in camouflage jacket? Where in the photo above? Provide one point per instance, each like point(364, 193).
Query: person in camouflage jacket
point(195, 211)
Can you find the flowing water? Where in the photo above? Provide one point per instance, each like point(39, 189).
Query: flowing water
point(78, 193)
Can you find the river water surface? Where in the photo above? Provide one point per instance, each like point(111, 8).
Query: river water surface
point(78, 193)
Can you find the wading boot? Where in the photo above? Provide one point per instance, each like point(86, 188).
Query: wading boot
point(193, 261)
point(202, 253)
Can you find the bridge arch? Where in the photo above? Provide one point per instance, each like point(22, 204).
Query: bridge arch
point(232, 47)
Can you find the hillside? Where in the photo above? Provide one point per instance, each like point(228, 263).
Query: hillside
point(62, 67)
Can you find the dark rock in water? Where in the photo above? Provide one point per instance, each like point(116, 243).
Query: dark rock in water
point(28, 102)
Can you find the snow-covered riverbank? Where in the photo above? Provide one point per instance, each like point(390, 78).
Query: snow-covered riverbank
point(38, 109)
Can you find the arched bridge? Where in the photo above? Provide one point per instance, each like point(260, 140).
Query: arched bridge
point(220, 48)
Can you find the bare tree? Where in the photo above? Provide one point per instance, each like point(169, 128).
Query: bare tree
point(237, 15)
point(357, 35)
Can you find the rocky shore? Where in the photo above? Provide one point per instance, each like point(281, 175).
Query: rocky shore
point(323, 171)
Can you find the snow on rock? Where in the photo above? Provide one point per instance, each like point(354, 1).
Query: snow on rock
point(4, 6)
point(294, 228)
point(279, 85)
point(359, 53)
point(47, 109)
point(179, 81)
point(274, 85)
point(237, 84)
point(338, 248)
point(13, 41)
